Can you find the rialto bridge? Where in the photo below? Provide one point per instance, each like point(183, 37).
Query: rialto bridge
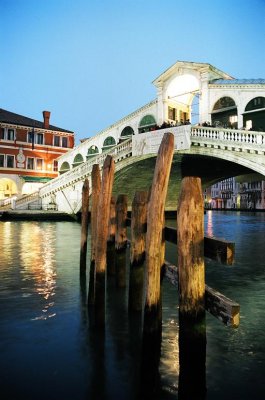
point(212, 153)
point(219, 128)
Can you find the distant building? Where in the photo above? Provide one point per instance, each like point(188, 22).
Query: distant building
point(28, 152)
point(230, 194)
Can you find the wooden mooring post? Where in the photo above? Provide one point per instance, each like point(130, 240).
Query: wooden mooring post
point(121, 240)
point(190, 244)
point(84, 226)
point(152, 327)
point(96, 185)
point(155, 224)
point(111, 238)
point(192, 326)
point(101, 239)
point(137, 250)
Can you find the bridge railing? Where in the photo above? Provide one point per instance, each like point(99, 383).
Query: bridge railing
point(26, 198)
point(121, 150)
point(244, 139)
point(6, 202)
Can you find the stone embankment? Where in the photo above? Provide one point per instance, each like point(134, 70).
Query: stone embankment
point(35, 215)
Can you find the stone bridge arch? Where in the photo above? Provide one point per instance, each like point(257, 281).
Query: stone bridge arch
point(136, 173)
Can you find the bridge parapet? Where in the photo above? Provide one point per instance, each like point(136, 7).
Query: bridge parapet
point(82, 171)
point(241, 139)
point(149, 142)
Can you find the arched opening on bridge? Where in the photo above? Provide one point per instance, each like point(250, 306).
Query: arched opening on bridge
point(126, 133)
point(92, 151)
point(254, 114)
point(147, 124)
point(109, 142)
point(182, 96)
point(8, 188)
point(224, 113)
point(64, 167)
point(78, 160)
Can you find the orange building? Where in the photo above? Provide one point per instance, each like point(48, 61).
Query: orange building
point(28, 152)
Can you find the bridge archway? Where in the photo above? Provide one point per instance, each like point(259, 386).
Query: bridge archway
point(92, 151)
point(147, 123)
point(127, 132)
point(180, 92)
point(78, 160)
point(8, 188)
point(64, 167)
point(254, 114)
point(108, 143)
point(137, 174)
point(224, 113)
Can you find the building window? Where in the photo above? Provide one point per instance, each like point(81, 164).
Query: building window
point(10, 161)
point(30, 163)
point(64, 142)
point(55, 165)
point(10, 135)
point(2, 160)
point(56, 141)
point(30, 138)
point(39, 164)
point(39, 138)
point(2, 133)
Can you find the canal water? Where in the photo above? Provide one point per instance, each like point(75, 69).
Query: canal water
point(50, 350)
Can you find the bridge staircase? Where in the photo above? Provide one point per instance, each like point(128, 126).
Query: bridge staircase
point(30, 201)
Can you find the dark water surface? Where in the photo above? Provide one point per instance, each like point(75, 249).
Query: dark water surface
point(49, 349)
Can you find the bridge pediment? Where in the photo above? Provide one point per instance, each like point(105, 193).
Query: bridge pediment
point(192, 68)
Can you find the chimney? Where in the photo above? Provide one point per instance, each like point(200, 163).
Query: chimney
point(46, 119)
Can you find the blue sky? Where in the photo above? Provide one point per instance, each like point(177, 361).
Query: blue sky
point(91, 62)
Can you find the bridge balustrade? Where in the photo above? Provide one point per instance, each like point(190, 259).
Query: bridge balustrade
point(247, 139)
point(78, 173)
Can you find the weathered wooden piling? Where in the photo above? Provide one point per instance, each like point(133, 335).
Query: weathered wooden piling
point(101, 240)
point(96, 185)
point(154, 247)
point(190, 228)
point(84, 226)
point(152, 327)
point(121, 240)
point(137, 250)
point(192, 328)
point(111, 238)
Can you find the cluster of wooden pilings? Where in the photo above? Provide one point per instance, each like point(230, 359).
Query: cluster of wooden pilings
point(109, 222)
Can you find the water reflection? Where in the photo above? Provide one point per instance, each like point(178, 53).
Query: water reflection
point(37, 265)
point(75, 362)
point(209, 224)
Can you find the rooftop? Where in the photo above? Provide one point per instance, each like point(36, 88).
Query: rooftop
point(16, 119)
point(258, 81)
